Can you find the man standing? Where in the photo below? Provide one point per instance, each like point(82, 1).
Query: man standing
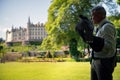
point(103, 58)
point(103, 45)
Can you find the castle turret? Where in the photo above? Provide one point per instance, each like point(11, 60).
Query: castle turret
point(28, 27)
point(29, 21)
point(12, 29)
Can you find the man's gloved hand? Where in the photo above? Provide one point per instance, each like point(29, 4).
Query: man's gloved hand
point(85, 29)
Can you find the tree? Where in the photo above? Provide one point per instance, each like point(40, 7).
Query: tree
point(116, 22)
point(118, 1)
point(2, 51)
point(1, 40)
point(62, 19)
point(63, 15)
point(1, 47)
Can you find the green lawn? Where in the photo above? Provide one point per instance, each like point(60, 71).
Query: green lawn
point(48, 71)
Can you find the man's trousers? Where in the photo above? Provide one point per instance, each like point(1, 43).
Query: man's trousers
point(102, 69)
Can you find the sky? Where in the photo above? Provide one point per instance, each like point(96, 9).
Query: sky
point(16, 13)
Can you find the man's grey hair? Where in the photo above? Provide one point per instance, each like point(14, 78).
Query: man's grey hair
point(99, 9)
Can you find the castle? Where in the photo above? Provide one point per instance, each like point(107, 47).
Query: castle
point(33, 32)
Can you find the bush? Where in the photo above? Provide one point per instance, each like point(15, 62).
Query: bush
point(35, 42)
point(17, 44)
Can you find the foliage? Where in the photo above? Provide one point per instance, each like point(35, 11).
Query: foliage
point(116, 22)
point(114, 18)
point(1, 47)
point(118, 37)
point(17, 44)
point(118, 58)
point(73, 47)
point(35, 42)
point(1, 40)
point(118, 31)
point(118, 1)
point(19, 48)
point(62, 18)
point(112, 7)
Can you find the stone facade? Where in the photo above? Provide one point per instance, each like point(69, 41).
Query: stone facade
point(33, 32)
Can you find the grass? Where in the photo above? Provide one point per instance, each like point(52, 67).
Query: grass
point(48, 71)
